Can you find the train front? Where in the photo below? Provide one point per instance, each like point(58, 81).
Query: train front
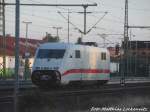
point(48, 59)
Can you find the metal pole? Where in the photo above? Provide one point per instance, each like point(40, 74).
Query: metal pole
point(17, 31)
point(4, 41)
point(147, 59)
point(139, 27)
point(85, 19)
point(68, 25)
point(124, 67)
point(47, 40)
point(57, 32)
point(55, 5)
point(136, 58)
point(147, 64)
point(57, 28)
point(26, 50)
point(130, 58)
point(104, 41)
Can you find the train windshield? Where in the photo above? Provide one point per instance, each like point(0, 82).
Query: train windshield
point(51, 53)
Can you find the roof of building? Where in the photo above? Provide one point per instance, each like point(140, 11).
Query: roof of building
point(139, 44)
point(10, 45)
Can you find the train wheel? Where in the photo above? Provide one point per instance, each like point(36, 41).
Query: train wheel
point(35, 77)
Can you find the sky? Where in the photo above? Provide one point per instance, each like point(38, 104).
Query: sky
point(45, 18)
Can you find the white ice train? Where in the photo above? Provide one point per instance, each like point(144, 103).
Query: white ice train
point(62, 63)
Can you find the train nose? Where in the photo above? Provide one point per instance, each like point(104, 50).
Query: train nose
point(46, 78)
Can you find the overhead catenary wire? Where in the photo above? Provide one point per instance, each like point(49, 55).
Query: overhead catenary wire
point(91, 27)
point(49, 18)
point(97, 22)
point(57, 7)
point(40, 26)
point(75, 27)
point(69, 21)
point(111, 20)
point(41, 5)
point(46, 18)
point(34, 15)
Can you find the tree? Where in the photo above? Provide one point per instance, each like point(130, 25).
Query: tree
point(117, 49)
point(50, 38)
point(79, 40)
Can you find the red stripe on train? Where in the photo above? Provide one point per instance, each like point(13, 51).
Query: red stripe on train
point(85, 71)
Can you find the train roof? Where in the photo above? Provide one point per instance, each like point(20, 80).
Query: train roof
point(55, 45)
point(66, 45)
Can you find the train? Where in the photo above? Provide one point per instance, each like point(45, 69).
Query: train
point(64, 63)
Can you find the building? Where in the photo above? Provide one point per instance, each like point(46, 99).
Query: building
point(113, 55)
point(10, 45)
point(139, 48)
point(138, 58)
point(32, 44)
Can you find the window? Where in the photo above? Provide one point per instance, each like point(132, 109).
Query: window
point(77, 54)
point(50, 53)
point(103, 56)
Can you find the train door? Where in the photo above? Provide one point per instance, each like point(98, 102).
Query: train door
point(85, 63)
point(79, 63)
point(73, 65)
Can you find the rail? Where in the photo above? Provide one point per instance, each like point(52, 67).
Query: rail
point(9, 84)
point(107, 89)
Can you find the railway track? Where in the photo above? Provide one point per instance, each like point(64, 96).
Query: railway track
point(72, 95)
point(26, 86)
point(106, 89)
point(6, 99)
point(9, 84)
point(80, 91)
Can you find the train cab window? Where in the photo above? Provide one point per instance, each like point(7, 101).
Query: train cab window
point(51, 53)
point(103, 56)
point(77, 54)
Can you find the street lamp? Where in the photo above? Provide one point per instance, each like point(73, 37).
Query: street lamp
point(27, 54)
point(147, 58)
point(57, 29)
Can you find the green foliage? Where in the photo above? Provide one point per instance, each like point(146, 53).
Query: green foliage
point(9, 73)
point(27, 72)
point(79, 40)
point(50, 38)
